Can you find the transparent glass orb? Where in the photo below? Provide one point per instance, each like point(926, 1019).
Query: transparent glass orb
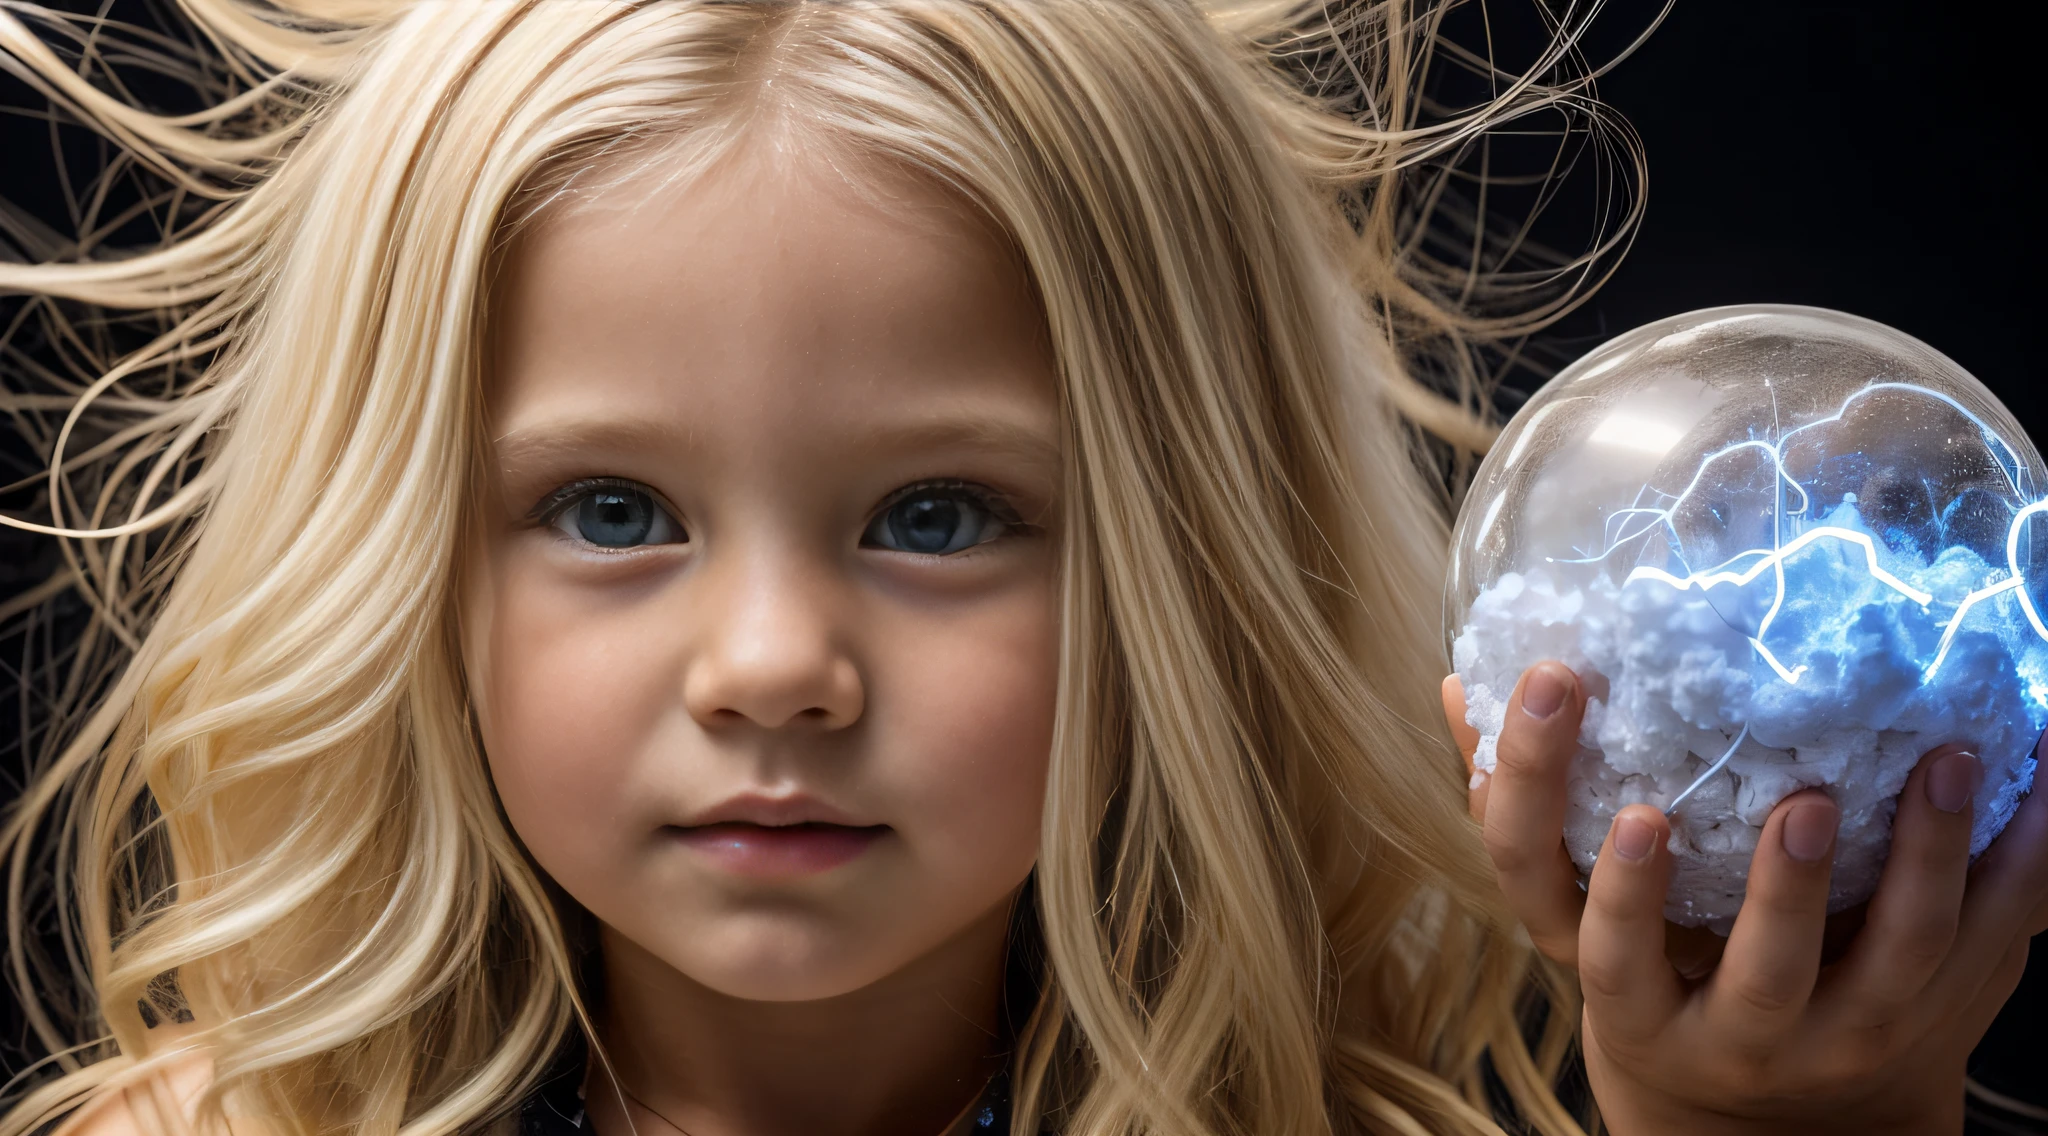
point(1782, 547)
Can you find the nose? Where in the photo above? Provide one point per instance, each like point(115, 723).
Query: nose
point(770, 651)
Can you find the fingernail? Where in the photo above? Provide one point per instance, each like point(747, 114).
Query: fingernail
point(1543, 693)
point(1633, 838)
point(1953, 781)
point(1810, 831)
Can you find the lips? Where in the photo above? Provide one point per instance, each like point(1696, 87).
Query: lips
point(772, 851)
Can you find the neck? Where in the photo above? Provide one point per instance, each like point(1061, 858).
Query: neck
point(905, 1055)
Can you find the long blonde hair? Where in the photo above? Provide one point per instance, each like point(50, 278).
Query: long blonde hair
point(1262, 906)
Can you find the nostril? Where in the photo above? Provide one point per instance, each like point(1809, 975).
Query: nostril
point(772, 657)
point(826, 697)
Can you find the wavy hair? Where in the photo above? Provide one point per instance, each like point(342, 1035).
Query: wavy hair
point(1260, 903)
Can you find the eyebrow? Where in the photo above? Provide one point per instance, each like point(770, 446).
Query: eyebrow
point(547, 442)
point(980, 433)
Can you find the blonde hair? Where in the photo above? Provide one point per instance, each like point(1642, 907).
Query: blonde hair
point(1263, 908)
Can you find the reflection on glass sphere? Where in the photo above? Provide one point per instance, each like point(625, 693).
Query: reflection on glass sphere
point(1782, 547)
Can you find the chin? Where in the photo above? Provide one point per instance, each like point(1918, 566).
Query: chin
point(783, 957)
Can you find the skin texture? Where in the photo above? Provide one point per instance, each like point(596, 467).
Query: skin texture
point(772, 352)
point(1797, 1023)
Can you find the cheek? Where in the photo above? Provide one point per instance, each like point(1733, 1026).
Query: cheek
point(592, 750)
point(965, 719)
point(573, 691)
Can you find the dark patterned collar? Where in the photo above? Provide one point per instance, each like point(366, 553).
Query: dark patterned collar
point(556, 1107)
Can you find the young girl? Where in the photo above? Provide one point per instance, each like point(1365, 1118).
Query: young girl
point(862, 560)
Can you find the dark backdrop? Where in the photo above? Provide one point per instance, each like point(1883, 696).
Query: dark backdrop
point(1874, 156)
point(1878, 157)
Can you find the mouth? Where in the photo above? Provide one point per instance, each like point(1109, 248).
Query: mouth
point(778, 850)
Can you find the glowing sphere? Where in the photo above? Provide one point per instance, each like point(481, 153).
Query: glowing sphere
point(1783, 547)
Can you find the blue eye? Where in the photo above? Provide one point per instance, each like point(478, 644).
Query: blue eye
point(936, 520)
point(613, 515)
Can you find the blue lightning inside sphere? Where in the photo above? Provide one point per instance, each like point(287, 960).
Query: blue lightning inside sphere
point(1783, 547)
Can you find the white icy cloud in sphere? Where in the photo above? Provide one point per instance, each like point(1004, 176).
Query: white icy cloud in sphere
point(1788, 538)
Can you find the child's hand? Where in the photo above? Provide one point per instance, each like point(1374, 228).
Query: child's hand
point(1767, 1040)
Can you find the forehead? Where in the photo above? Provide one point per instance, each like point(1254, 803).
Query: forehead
point(783, 278)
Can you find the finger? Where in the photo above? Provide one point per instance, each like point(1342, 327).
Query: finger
point(1468, 743)
point(1976, 1018)
point(2007, 888)
point(1462, 731)
point(1475, 799)
point(1761, 988)
point(1912, 919)
point(1524, 822)
point(1630, 989)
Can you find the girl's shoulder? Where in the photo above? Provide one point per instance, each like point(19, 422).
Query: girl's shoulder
point(165, 1102)
point(158, 1104)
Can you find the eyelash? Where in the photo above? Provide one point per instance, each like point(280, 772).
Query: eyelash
point(998, 506)
point(989, 501)
point(561, 499)
point(550, 508)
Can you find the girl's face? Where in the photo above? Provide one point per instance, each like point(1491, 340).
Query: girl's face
point(761, 626)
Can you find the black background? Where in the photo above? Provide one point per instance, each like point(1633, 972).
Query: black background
point(1875, 157)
